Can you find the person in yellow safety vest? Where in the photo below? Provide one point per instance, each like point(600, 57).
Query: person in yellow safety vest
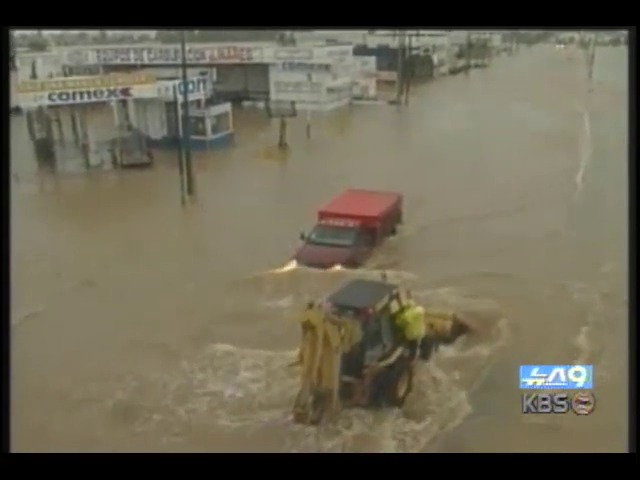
point(411, 322)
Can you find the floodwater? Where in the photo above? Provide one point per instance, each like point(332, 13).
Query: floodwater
point(140, 325)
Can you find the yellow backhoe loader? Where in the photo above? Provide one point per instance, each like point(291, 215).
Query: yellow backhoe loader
point(359, 348)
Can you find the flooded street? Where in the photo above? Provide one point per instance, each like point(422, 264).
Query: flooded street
point(138, 324)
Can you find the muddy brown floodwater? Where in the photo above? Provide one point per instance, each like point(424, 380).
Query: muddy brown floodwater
point(140, 325)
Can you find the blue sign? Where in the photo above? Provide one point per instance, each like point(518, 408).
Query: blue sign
point(556, 377)
point(194, 85)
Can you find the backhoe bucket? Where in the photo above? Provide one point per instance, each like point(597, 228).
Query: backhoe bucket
point(445, 327)
point(458, 329)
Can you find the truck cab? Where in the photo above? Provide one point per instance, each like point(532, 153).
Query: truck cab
point(349, 228)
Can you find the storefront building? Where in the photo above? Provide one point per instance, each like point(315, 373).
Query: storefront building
point(74, 121)
point(242, 69)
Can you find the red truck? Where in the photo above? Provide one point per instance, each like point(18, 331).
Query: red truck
point(349, 228)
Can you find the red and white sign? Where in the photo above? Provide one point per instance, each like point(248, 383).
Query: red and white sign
point(340, 222)
point(172, 55)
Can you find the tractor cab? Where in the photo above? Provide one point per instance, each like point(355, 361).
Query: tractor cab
point(373, 305)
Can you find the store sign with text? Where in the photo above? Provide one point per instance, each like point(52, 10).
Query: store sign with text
point(81, 70)
point(293, 54)
point(163, 55)
point(305, 67)
point(82, 83)
point(297, 87)
point(82, 90)
point(340, 54)
point(197, 88)
point(67, 97)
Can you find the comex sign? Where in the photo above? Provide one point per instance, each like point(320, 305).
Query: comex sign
point(66, 91)
point(89, 96)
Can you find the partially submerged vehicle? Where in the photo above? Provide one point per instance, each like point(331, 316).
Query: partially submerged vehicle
point(354, 351)
point(349, 228)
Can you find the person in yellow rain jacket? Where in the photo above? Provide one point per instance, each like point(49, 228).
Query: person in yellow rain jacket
point(411, 322)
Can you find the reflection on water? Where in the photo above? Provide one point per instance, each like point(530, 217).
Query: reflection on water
point(140, 324)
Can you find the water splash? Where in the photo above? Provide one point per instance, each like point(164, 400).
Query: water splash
point(227, 388)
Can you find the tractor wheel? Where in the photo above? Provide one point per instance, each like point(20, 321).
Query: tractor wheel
point(400, 383)
point(309, 409)
point(427, 348)
point(318, 408)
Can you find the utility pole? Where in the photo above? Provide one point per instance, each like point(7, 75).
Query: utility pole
point(400, 67)
point(282, 137)
point(178, 133)
point(468, 54)
point(186, 123)
point(408, 70)
point(308, 129)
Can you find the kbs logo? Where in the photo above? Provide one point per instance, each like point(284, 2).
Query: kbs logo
point(581, 403)
point(556, 377)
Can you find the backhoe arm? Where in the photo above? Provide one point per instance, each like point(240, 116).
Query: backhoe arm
point(323, 342)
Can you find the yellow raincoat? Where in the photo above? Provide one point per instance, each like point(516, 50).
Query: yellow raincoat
point(411, 322)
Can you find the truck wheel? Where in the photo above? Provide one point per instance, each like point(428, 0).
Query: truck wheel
point(400, 385)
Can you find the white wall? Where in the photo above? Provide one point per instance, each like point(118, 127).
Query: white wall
point(151, 118)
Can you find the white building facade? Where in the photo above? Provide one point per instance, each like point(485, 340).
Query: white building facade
point(315, 77)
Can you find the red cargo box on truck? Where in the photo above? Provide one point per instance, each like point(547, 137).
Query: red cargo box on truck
point(349, 228)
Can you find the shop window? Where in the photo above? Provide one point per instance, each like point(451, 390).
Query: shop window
point(220, 123)
point(198, 126)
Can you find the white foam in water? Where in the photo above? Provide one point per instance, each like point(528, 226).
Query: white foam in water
point(586, 151)
point(596, 324)
point(238, 389)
